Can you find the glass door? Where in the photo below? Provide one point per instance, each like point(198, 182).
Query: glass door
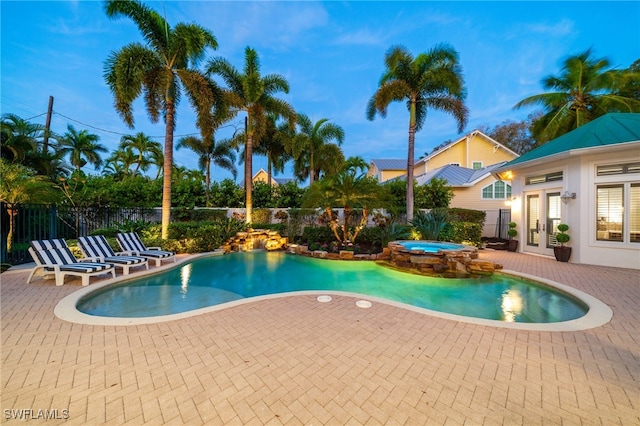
point(542, 216)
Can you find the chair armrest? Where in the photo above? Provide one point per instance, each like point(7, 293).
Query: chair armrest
point(154, 248)
point(128, 253)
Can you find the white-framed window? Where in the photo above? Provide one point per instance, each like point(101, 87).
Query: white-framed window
point(612, 224)
point(498, 190)
point(476, 165)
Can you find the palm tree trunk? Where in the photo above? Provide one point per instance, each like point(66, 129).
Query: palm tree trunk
point(312, 171)
point(410, 155)
point(167, 169)
point(207, 181)
point(248, 166)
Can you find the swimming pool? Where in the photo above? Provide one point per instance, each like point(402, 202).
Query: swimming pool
point(215, 281)
point(430, 246)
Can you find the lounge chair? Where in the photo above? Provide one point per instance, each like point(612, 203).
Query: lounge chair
point(98, 247)
point(132, 245)
point(55, 257)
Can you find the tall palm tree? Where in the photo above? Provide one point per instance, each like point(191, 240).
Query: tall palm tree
point(585, 89)
point(252, 93)
point(160, 70)
point(144, 146)
point(221, 154)
point(430, 80)
point(273, 146)
point(82, 147)
point(308, 144)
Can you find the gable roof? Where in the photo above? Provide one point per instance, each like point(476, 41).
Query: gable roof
point(456, 175)
point(389, 164)
point(609, 129)
point(474, 133)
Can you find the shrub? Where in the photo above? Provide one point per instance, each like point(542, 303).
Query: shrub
point(430, 225)
point(317, 234)
point(261, 216)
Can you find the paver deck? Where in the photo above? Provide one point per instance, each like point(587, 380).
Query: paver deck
point(295, 361)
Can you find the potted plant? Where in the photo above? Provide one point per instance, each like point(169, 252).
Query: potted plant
point(512, 244)
point(562, 252)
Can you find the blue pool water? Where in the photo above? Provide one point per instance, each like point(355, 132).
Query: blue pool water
point(215, 280)
point(430, 246)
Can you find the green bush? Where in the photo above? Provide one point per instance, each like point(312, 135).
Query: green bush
point(261, 216)
point(469, 233)
point(317, 234)
point(107, 232)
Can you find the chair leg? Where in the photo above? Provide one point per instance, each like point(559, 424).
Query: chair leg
point(60, 278)
point(33, 272)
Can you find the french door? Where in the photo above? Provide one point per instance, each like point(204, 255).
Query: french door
point(543, 212)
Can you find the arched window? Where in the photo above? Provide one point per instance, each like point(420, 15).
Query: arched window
point(497, 191)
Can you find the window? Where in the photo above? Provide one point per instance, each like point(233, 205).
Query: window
point(618, 169)
point(609, 211)
point(498, 190)
point(550, 177)
point(634, 213)
point(476, 165)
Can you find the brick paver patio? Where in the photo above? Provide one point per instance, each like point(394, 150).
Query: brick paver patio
point(295, 361)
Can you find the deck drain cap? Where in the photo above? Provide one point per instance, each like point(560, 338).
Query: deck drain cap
point(324, 299)
point(363, 304)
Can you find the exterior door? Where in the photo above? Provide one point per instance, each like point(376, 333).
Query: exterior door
point(542, 216)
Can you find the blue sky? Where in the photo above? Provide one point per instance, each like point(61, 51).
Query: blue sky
point(331, 53)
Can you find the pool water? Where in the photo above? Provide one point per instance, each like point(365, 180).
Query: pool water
point(430, 246)
point(216, 280)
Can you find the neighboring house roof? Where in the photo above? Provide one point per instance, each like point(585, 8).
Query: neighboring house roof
point(390, 164)
point(609, 129)
point(475, 132)
point(456, 176)
point(283, 181)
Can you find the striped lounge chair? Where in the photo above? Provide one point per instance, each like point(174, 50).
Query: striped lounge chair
point(98, 247)
point(132, 245)
point(55, 257)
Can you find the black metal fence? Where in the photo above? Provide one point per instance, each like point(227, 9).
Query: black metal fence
point(19, 224)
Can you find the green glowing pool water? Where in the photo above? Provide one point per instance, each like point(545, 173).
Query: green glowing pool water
point(216, 280)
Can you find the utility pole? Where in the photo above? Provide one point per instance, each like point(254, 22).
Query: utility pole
point(47, 126)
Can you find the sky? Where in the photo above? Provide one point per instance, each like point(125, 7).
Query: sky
point(331, 53)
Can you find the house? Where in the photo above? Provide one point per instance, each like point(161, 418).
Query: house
point(473, 151)
point(386, 169)
point(262, 176)
point(589, 179)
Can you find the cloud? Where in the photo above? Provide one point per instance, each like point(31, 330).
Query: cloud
point(560, 29)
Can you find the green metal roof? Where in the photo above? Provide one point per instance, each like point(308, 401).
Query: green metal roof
point(609, 129)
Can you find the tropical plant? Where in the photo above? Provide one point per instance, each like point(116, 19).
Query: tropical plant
point(20, 185)
point(434, 194)
point(311, 148)
point(144, 147)
point(160, 70)
point(252, 93)
point(584, 90)
point(221, 154)
point(351, 190)
point(119, 164)
point(512, 232)
point(82, 147)
point(430, 80)
point(19, 137)
point(430, 224)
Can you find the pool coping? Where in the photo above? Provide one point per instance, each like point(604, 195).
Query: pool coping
point(598, 314)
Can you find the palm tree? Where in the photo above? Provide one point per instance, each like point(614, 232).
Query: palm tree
point(585, 89)
point(20, 138)
point(159, 70)
point(273, 146)
point(120, 162)
point(350, 188)
point(20, 185)
point(82, 148)
point(221, 154)
point(430, 80)
point(308, 144)
point(144, 146)
point(252, 93)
